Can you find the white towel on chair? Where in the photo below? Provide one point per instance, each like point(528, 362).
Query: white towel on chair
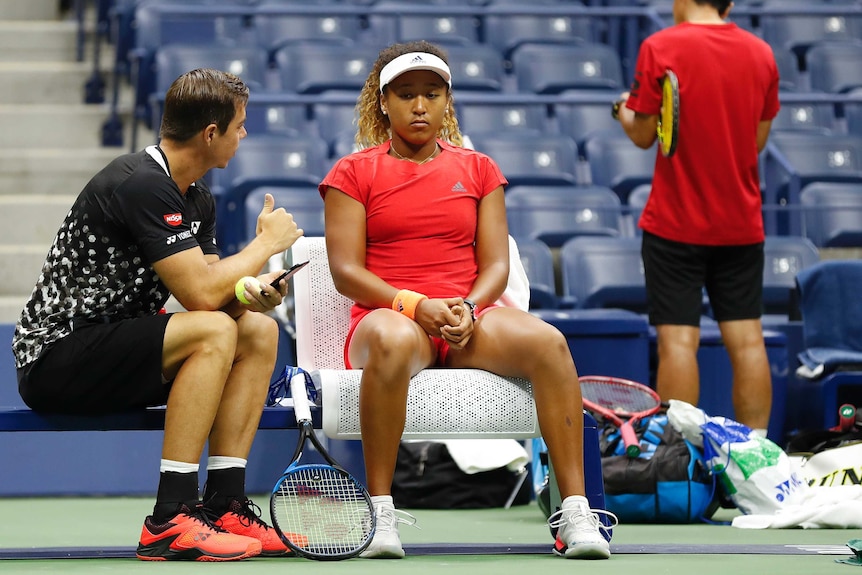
point(475, 455)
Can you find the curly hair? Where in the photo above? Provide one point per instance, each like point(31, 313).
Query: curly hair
point(372, 125)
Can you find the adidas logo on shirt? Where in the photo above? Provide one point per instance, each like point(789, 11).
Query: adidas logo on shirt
point(459, 187)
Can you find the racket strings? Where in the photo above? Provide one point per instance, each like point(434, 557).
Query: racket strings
point(326, 508)
point(618, 398)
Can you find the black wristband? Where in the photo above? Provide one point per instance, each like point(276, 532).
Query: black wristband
point(615, 109)
point(472, 305)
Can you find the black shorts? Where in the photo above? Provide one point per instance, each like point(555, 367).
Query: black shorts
point(676, 274)
point(99, 368)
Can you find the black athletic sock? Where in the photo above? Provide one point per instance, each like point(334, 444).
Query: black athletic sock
point(222, 487)
point(175, 489)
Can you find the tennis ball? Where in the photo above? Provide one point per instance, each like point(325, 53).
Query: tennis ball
point(239, 288)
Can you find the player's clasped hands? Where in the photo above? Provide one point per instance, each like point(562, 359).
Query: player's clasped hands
point(447, 318)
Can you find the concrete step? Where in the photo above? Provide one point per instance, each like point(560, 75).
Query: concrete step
point(29, 9)
point(32, 219)
point(20, 265)
point(51, 171)
point(23, 41)
point(44, 82)
point(54, 125)
point(10, 308)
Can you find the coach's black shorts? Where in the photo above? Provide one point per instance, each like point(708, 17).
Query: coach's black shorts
point(676, 274)
point(99, 368)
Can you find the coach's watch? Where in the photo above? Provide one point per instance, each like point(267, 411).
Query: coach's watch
point(615, 109)
point(472, 305)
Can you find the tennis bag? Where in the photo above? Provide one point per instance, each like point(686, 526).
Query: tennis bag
point(426, 477)
point(667, 483)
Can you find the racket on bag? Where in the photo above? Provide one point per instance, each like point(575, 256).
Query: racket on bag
point(622, 402)
point(320, 511)
point(668, 118)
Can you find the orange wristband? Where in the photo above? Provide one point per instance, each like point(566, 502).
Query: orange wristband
point(405, 302)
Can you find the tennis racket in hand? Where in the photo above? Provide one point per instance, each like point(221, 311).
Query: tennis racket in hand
point(320, 511)
point(668, 118)
point(622, 402)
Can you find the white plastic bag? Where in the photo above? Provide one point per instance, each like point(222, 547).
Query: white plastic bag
point(755, 473)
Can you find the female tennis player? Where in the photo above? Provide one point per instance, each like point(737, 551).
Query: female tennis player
point(417, 238)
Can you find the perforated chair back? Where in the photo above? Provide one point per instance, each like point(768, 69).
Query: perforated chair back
point(488, 117)
point(555, 214)
point(274, 30)
point(476, 68)
point(832, 214)
point(508, 32)
point(440, 402)
point(247, 62)
point(604, 273)
point(636, 204)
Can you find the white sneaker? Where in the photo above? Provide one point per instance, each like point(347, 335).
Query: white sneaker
point(579, 531)
point(386, 543)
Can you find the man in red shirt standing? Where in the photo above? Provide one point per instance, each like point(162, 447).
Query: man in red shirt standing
point(702, 225)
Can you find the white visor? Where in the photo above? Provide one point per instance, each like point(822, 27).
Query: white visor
point(414, 61)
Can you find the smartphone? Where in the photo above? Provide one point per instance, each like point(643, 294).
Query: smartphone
point(288, 274)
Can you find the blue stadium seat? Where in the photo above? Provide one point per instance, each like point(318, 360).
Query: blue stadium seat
point(158, 23)
point(604, 272)
point(583, 121)
point(531, 158)
point(443, 29)
point(303, 202)
point(274, 30)
point(835, 66)
point(816, 118)
point(615, 162)
point(788, 69)
point(793, 160)
point(487, 117)
point(333, 120)
point(538, 262)
point(507, 32)
point(475, 68)
point(247, 62)
point(314, 68)
point(832, 214)
point(799, 32)
point(555, 214)
point(636, 202)
point(265, 160)
point(784, 257)
point(853, 114)
point(554, 68)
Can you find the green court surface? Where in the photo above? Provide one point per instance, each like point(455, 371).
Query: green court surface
point(505, 541)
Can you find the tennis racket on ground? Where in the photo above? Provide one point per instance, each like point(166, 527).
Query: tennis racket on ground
point(621, 401)
point(320, 511)
point(668, 118)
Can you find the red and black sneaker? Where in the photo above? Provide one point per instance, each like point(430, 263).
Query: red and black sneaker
point(243, 518)
point(191, 535)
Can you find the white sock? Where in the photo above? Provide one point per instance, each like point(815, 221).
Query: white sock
point(760, 431)
point(573, 500)
point(225, 462)
point(382, 499)
point(178, 466)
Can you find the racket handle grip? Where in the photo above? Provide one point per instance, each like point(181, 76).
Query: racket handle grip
point(630, 440)
point(300, 397)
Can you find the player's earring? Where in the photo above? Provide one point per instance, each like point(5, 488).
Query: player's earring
point(384, 111)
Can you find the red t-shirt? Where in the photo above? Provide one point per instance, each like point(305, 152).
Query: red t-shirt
point(708, 193)
point(421, 219)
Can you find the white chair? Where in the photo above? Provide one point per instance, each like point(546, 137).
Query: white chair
point(441, 403)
